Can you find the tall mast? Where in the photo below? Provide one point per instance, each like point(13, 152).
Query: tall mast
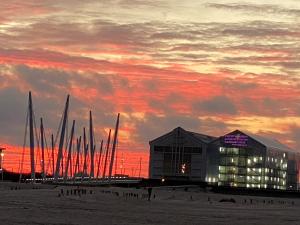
point(52, 153)
point(92, 145)
point(31, 134)
point(78, 155)
point(99, 159)
point(43, 148)
point(106, 154)
point(85, 148)
point(68, 162)
point(140, 169)
point(61, 141)
point(114, 148)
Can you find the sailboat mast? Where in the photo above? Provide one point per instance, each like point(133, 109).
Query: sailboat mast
point(43, 148)
point(52, 153)
point(114, 148)
point(99, 159)
point(85, 148)
point(31, 136)
point(68, 162)
point(78, 155)
point(106, 154)
point(140, 169)
point(61, 141)
point(92, 149)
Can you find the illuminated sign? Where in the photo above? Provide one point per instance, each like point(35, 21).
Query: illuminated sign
point(238, 140)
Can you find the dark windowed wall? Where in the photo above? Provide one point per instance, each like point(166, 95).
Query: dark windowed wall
point(177, 160)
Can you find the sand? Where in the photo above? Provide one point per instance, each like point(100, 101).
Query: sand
point(45, 206)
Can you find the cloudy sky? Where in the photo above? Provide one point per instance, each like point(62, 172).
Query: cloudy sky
point(207, 66)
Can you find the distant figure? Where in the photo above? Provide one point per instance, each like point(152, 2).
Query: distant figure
point(149, 193)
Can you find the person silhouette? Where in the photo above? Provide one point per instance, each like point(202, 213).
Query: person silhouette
point(149, 193)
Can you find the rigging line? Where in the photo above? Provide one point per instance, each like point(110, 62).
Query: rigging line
point(38, 143)
point(117, 144)
point(65, 151)
point(24, 145)
point(58, 131)
point(48, 153)
point(68, 142)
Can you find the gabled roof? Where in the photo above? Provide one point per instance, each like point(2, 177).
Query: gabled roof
point(268, 142)
point(200, 137)
point(203, 137)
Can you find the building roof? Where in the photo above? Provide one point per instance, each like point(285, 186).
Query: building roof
point(203, 137)
point(268, 142)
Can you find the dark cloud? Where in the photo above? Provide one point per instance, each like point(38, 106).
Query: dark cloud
point(237, 85)
point(44, 80)
point(217, 105)
point(257, 8)
point(13, 115)
point(153, 126)
point(294, 134)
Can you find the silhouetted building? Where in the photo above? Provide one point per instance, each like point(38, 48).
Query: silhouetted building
point(179, 154)
point(238, 159)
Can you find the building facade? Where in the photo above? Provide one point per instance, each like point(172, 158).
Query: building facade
point(237, 159)
point(179, 154)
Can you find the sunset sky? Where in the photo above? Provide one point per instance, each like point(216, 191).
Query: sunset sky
point(208, 66)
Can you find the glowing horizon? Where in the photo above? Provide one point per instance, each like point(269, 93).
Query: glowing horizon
point(209, 67)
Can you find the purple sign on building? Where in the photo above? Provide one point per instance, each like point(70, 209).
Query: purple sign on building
point(238, 140)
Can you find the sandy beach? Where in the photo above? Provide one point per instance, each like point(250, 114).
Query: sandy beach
point(55, 205)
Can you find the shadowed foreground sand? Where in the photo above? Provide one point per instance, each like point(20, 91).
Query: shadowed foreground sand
point(43, 206)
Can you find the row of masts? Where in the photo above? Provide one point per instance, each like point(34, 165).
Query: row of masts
point(65, 165)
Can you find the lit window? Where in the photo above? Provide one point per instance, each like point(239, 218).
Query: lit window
point(183, 167)
point(222, 149)
point(255, 159)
